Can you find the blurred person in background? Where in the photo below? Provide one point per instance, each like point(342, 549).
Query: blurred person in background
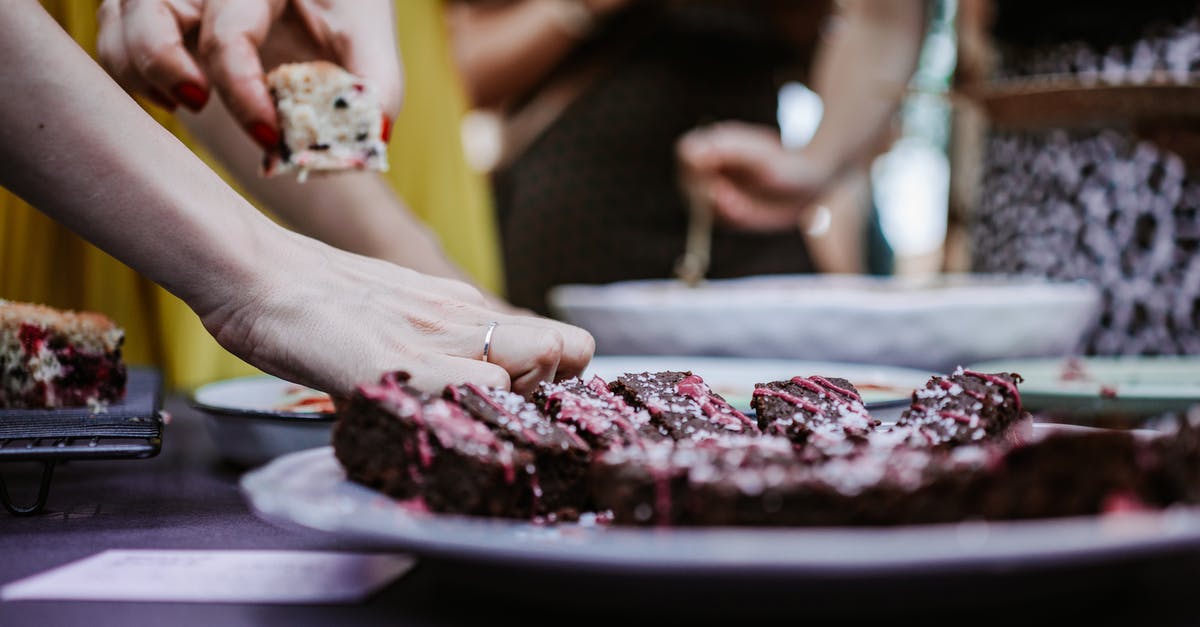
point(41, 261)
point(595, 96)
point(861, 73)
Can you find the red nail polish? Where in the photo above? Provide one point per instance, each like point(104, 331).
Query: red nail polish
point(191, 95)
point(266, 136)
point(386, 132)
point(161, 100)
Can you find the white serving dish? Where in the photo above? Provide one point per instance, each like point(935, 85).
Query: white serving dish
point(250, 422)
point(933, 324)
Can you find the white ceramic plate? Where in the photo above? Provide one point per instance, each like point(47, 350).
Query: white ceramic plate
point(309, 488)
point(933, 324)
point(255, 419)
point(883, 388)
point(1105, 385)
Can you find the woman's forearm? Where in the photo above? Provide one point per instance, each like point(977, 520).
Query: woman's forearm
point(73, 145)
point(861, 75)
point(505, 49)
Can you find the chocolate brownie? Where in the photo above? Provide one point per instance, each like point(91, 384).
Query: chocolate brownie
point(887, 481)
point(560, 457)
point(681, 405)
point(591, 410)
point(407, 443)
point(52, 358)
point(964, 407)
point(668, 456)
point(823, 417)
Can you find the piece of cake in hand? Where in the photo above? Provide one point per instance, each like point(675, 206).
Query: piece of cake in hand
point(51, 358)
point(329, 119)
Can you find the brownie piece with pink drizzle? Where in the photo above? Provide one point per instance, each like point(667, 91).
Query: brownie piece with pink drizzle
point(51, 358)
point(682, 406)
point(814, 409)
point(560, 456)
point(966, 406)
point(603, 419)
point(407, 444)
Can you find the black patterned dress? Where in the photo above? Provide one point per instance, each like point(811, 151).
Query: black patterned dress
point(1109, 206)
point(595, 198)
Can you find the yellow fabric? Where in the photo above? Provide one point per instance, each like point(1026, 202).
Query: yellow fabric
point(42, 262)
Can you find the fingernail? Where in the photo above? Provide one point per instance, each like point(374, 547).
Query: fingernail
point(161, 100)
point(191, 95)
point(386, 133)
point(266, 136)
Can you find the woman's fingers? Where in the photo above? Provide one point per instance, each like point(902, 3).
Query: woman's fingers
point(153, 33)
point(529, 354)
point(435, 372)
point(366, 46)
point(577, 348)
point(231, 32)
point(110, 47)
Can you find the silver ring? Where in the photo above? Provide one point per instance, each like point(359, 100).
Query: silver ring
point(487, 339)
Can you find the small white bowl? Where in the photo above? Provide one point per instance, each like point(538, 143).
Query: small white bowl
point(933, 324)
point(250, 422)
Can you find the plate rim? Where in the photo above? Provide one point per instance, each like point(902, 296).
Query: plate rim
point(1035, 390)
point(249, 413)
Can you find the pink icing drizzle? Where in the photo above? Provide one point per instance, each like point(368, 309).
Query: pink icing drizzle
point(956, 416)
point(424, 450)
point(513, 418)
point(840, 390)
point(716, 408)
point(575, 411)
point(1008, 385)
point(791, 398)
point(662, 498)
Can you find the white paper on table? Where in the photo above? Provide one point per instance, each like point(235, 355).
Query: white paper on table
point(215, 577)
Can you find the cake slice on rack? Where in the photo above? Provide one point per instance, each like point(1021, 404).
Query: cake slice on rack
point(51, 358)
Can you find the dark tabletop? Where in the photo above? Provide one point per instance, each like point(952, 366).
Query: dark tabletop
point(187, 499)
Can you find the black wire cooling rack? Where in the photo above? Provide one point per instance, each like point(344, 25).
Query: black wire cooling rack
point(132, 428)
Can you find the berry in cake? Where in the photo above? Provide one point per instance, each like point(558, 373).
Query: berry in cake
point(51, 358)
point(329, 119)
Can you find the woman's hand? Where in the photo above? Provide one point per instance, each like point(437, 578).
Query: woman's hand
point(750, 179)
point(330, 319)
point(177, 51)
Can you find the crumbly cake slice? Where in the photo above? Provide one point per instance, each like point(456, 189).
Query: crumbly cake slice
point(964, 407)
point(682, 406)
point(329, 119)
point(407, 444)
point(603, 419)
point(52, 358)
